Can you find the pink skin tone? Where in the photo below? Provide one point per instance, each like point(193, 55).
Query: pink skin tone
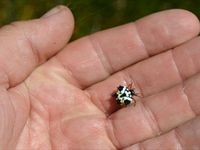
point(62, 100)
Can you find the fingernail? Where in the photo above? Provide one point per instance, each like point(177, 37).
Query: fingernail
point(53, 11)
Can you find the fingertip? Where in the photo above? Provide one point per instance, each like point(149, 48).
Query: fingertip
point(61, 17)
point(67, 14)
point(187, 20)
point(52, 31)
point(167, 29)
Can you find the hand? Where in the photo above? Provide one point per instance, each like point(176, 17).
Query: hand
point(62, 100)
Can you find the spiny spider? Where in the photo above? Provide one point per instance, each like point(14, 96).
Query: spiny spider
point(124, 95)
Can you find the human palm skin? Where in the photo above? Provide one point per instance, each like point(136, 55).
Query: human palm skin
point(58, 96)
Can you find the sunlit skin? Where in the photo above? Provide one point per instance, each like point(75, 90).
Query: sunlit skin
point(58, 95)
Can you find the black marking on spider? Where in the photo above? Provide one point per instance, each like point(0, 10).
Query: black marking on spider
point(124, 95)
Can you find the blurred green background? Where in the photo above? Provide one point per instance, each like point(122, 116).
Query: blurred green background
point(92, 15)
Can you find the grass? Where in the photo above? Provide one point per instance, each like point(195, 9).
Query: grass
point(92, 15)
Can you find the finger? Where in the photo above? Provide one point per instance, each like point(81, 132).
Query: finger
point(23, 46)
point(26, 44)
point(93, 58)
point(156, 114)
point(150, 76)
point(184, 137)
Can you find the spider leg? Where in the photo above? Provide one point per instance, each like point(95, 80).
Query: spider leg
point(130, 86)
point(134, 102)
point(137, 94)
point(114, 94)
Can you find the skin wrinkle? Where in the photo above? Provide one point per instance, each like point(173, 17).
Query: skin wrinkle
point(44, 119)
point(190, 110)
point(60, 126)
point(107, 127)
point(47, 118)
point(100, 116)
point(14, 121)
point(176, 68)
point(33, 49)
point(34, 143)
point(113, 132)
point(5, 114)
point(2, 113)
point(193, 63)
point(110, 130)
point(29, 131)
point(27, 123)
point(137, 146)
point(190, 59)
point(50, 139)
point(151, 119)
point(91, 97)
point(95, 44)
point(187, 98)
point(178, 139)
point(7, 82)
point(81, 116)
point(140, 146)
point(141, 40)
point(90, 135)
point(29, 98)
point(175, 65)
point(26, 39)
point(101, 54)
point(68, 72)
point(141, 37)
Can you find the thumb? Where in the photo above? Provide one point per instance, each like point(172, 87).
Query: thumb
point(26, 44)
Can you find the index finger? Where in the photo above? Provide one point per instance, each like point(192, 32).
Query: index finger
point(93, 58)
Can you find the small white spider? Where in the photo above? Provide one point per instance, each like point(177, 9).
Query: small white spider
point(124, 95)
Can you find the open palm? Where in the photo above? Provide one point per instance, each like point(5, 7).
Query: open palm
point(52, 100)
